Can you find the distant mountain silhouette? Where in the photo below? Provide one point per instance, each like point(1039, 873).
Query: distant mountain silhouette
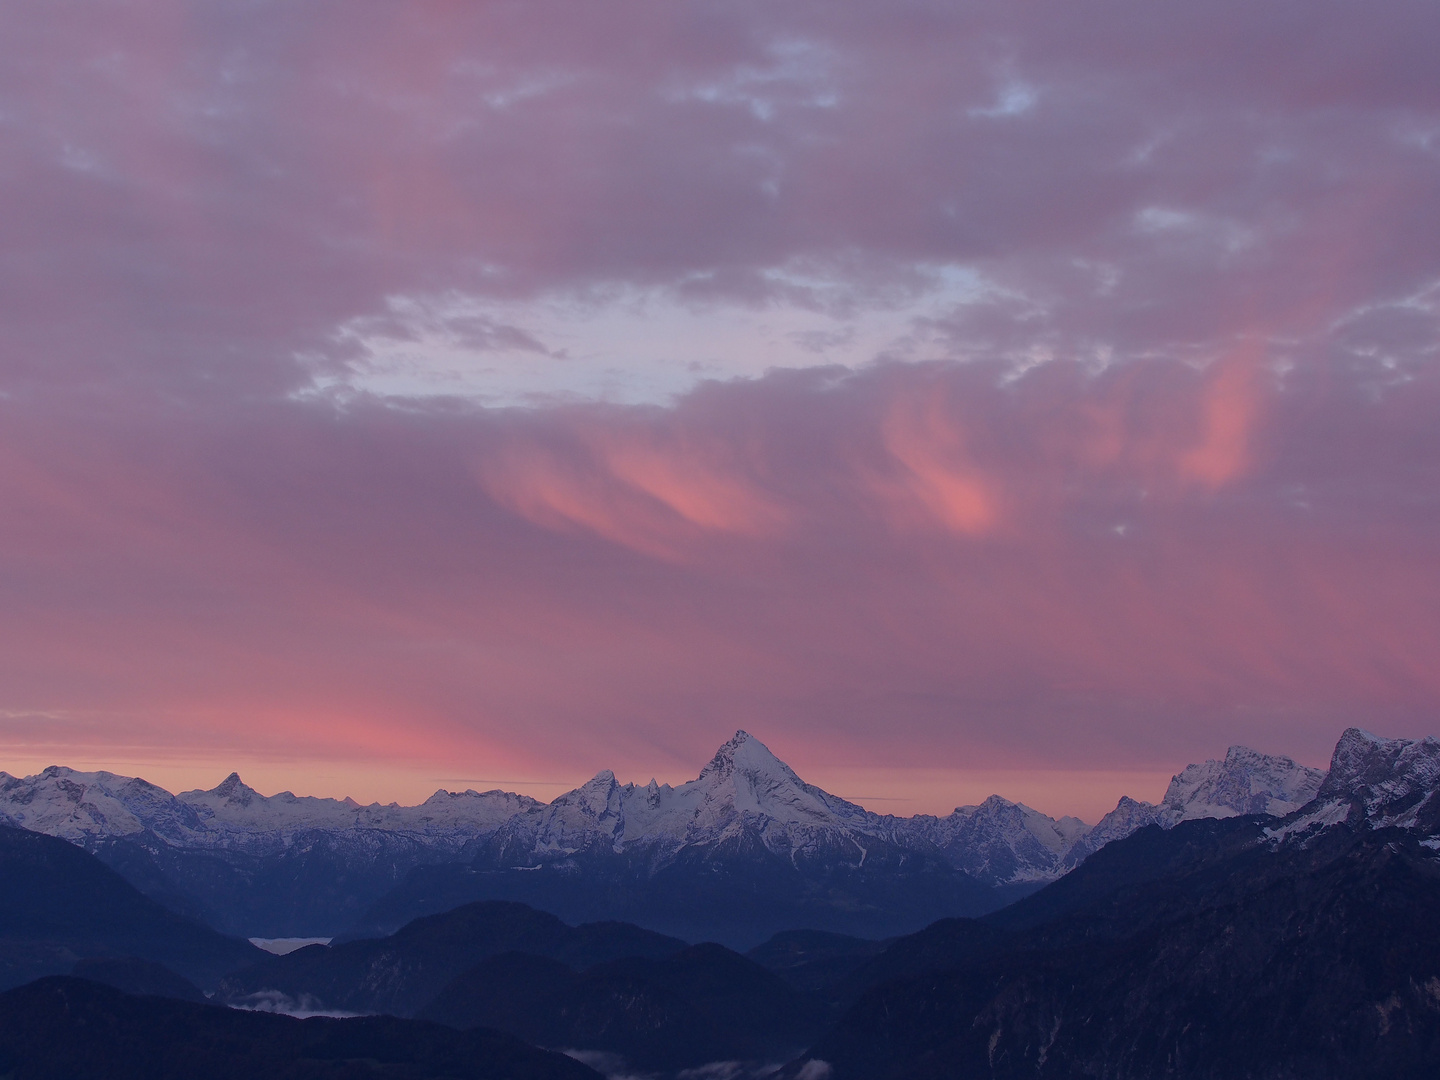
point(66, 1029)
point(59, 905)
point(400, 973)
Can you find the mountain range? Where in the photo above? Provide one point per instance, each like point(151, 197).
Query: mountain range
point(742, 851)
point(1202, 945)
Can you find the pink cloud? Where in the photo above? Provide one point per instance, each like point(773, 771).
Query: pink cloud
point(1158, 474)
point(647, 489)
point(347, 585)
point(932, 470)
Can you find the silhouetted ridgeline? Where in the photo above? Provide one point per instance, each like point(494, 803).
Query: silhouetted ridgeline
point(68, 1029)
point(59, 904)
point(401, 973)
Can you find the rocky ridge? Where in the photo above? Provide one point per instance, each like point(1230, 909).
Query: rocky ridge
point(83, 807)
point(1377, 783)
point(1245, 782)
point(743, 792)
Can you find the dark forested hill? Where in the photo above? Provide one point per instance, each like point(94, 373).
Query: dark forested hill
point(1208, 952)
point(400, 973)
point(59, 905)
point(701, 1005)
point(64, 1029)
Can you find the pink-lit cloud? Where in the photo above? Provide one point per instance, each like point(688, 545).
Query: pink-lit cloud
point(1133, 451)
point(654, 492)
point(352, 585)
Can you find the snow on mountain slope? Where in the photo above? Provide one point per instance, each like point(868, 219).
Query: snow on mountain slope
point(1130, 815)
point(743, 794)
point(1378, 782)
point(1006, 843)
point(234, 809)
point(1246, 782)
point(79, 806)
point(999, 841)
point(1394, 780)
point(744, 789)
point(84, 807)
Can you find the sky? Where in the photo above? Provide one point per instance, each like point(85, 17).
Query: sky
point(960, 397)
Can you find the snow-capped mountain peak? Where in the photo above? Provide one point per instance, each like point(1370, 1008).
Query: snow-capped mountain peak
point(744, 787)
point(744, 799)
point(745, 753)
point(600, 797)
point(744, 778)
point(82, 806)
point(1368, 765)
point(234, 790)
point(998, 841)
point(1130, 815)
point(1386, 781)
point(1245, 782)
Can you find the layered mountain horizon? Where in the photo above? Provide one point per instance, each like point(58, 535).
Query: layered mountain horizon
point(1284, 925)
point(743, 780)
point(286, 865)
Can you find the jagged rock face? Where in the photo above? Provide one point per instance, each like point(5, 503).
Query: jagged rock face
point(744, 791)
point(1386, 775)
point(745, 797)
point(1130, 815)
point(999, 840)
point(1378, 782)
point(1246, 782)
